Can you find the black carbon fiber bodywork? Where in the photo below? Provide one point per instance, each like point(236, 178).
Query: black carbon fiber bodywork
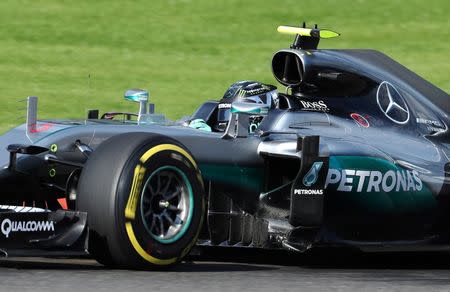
point(383, 135)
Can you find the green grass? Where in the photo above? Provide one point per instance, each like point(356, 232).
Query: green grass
point(187, 51)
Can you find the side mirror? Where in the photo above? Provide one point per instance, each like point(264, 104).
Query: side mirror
point(138, 95)
point(238, 126)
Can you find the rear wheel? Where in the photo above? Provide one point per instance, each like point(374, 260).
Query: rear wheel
point(145, 201)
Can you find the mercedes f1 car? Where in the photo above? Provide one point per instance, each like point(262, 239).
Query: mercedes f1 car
point(355, 153)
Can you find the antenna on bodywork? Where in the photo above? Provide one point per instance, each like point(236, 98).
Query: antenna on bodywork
point(31, 114)
point(306, 38)
point(88, 91)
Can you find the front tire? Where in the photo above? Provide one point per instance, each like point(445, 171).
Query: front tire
point(145, 201)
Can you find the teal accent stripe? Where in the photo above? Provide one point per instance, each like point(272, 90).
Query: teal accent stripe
point(247, 177)
point(255, 111)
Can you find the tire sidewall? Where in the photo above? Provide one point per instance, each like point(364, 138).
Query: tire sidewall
point(139, 247)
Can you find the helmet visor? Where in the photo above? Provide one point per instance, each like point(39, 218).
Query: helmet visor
point(268, 98)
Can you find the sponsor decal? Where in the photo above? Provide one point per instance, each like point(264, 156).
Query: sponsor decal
point(435, 130)
point(362, 184)
point(313, 174)
point(314, 105)
point(224, 105)
point(392, 104)
point(308, 192)
point(354, 180)
point(432, 125)
point(9, 226)
point(37, 128)
point(252, 127)
point(310, 179)
point(360, 120)
point(260, 90)
point(428, 122)
point(253, 91)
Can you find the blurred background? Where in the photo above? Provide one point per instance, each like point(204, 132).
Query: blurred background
point(80, 55)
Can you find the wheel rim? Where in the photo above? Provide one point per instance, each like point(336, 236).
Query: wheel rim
point(167, 204)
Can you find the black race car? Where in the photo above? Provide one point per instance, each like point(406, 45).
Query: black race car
point(355, 153)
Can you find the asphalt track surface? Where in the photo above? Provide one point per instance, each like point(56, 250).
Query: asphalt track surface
point(260, 272)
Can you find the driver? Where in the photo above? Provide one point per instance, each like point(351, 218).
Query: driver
point(247, 91)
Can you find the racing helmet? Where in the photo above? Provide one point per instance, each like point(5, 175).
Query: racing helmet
point(246, 91)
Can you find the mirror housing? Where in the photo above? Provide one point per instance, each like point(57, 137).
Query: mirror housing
point(138, 95)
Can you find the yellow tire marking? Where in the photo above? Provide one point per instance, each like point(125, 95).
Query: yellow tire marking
point(142, 252)
point(130, 209)
point(163, 147)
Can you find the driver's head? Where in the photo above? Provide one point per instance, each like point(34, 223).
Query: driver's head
point(248, 91)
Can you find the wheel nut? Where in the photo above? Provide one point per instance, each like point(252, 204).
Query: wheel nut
point(163, 204)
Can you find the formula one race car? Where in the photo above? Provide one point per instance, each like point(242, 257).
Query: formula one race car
point(356, 154)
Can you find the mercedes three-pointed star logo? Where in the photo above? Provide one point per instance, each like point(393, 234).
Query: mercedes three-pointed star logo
point(392, 103)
